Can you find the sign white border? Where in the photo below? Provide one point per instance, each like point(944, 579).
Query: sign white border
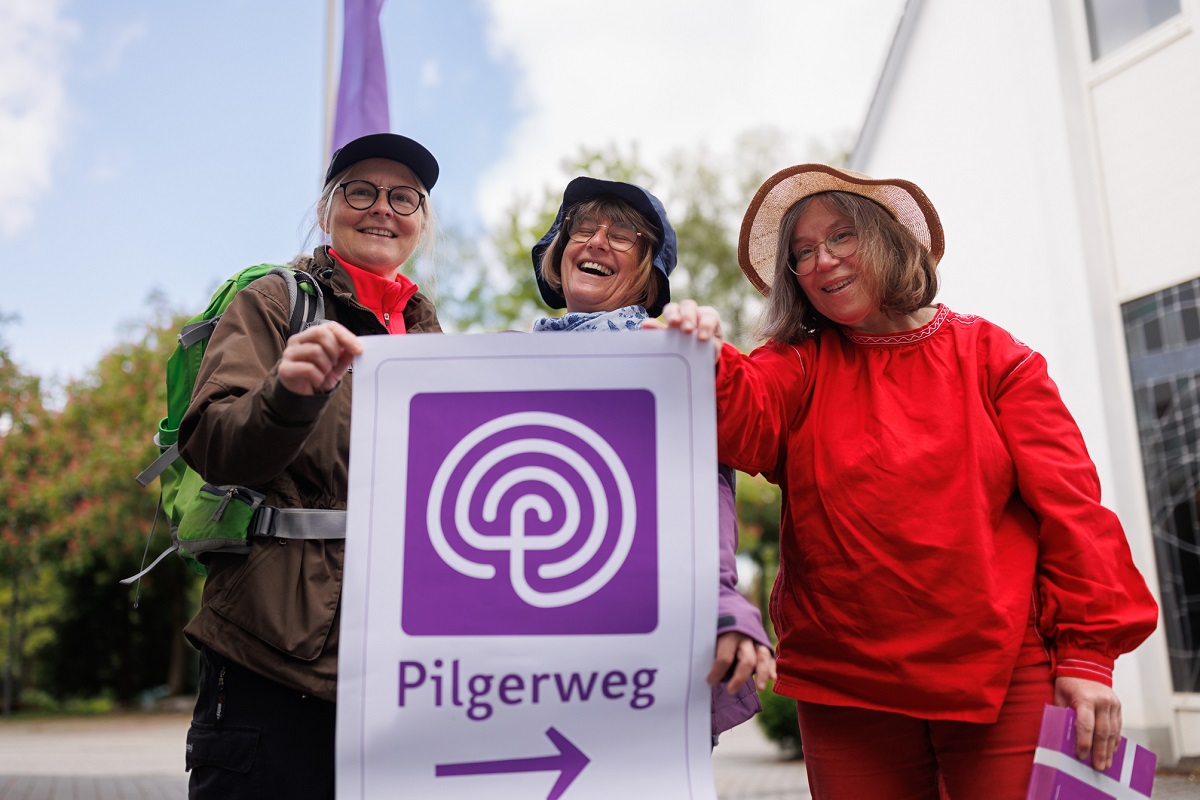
point(661, 751)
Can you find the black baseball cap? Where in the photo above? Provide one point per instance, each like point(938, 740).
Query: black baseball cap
point(408, 152)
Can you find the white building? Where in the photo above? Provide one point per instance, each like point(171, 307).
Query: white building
point(1060, 142)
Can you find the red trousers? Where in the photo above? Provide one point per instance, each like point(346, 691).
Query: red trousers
point(857, 753)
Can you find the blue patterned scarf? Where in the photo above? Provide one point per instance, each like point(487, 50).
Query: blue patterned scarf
point(628, 318)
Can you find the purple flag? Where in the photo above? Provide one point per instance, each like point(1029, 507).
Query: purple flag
point(362, 104)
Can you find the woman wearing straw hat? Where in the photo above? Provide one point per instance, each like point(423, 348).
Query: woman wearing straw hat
point(607, 259)
point(946, 567)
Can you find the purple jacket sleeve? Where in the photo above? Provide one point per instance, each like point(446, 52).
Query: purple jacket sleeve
point(734, 613)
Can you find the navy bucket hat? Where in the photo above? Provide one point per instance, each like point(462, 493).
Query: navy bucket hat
point(580, 190)
point(408, 152)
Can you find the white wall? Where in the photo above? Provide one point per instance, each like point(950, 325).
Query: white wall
point(975, 119)
point(1146, 100)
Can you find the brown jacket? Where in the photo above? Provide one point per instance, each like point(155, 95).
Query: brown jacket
point(275, 610)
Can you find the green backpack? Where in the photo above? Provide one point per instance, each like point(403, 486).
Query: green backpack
point(205, 518)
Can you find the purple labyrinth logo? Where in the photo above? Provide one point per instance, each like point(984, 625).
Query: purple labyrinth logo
point(531, 513)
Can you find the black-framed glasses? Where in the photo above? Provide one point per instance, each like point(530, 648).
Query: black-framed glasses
point(361, 195)
point(620, 237)
point(842, 243)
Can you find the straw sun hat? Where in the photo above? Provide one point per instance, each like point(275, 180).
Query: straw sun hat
point(759, 238)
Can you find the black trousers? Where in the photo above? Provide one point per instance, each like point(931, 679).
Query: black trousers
point(252, 738)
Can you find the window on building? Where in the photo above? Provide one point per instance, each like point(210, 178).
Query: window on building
point(1112, 23)
point(1152, 334)
point(1191, 324)
point(1164, 364)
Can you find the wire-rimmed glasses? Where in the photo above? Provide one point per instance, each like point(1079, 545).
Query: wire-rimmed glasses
point(842, 243)
point(620, 237)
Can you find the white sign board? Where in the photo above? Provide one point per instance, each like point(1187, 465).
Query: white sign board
point(530, 591)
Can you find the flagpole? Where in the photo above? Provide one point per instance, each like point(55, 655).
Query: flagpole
point(331, 82)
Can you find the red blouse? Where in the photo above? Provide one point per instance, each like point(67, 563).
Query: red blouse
point(934, 487)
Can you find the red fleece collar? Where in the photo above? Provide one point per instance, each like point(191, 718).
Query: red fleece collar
point(386, 298)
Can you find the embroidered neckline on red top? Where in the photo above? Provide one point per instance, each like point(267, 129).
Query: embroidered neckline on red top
point(905, 337)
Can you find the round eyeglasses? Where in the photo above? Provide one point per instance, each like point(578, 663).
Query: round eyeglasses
point(842, 243)
point(361, 195)
point(619, 237)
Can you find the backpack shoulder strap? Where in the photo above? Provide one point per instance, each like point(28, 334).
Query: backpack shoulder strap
point(305, 298)
point(147, 476)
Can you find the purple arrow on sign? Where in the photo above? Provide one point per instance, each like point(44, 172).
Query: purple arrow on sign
point(570, 760)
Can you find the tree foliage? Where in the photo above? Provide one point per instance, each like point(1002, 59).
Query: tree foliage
point(101, 537)
point(109, 418)
point(73, 522)
point(27, 463)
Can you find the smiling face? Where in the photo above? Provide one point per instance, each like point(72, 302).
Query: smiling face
point(376, 239)
point(841, 289)
point(595, 277)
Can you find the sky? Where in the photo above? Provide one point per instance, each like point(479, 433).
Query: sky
point(150, 149)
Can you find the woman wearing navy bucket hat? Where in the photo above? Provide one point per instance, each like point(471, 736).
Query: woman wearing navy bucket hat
point(947, 568)
point(272, 413)
point(607, 259)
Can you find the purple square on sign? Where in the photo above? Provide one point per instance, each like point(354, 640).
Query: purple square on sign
point(531, 513)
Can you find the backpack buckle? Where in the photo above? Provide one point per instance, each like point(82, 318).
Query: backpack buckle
point(263, 522)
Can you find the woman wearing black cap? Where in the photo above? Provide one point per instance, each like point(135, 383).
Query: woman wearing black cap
point(272, 414)
point(607, 259)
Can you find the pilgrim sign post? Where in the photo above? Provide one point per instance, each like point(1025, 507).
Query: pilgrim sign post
point(530, 595)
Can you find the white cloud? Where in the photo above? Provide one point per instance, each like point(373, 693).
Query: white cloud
point(678, 75)
point(33, 102)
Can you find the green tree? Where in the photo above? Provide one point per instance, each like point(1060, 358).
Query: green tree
point(73, 522)
point(758, 507)
point(27, 467)
point(110, 417)
point(130, 637)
